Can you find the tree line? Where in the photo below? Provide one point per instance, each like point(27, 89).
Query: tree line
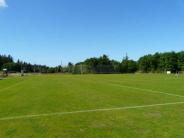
point(161, 62)
point(155, 63)
point(12, 66)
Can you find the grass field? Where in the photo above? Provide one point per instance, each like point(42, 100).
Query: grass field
point(95, 106)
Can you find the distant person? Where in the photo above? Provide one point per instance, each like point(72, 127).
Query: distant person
point(177, 74)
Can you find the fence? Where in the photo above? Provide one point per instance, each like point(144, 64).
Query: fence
point(99, 69)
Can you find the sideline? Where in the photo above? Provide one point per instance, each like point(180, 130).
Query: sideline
point(86, 111)
point(114, 83)
point(148, 90)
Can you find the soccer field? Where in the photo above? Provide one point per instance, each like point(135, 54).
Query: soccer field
point(94, 106)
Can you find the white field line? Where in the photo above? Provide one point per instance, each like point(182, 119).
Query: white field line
point(86, 111)
point(148, 90)
point(114, 83)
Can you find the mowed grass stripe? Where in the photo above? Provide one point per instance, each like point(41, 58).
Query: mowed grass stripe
point(11, 86)
point(86, 111)
point(147, 90)
point(65, 106)
point(113, 83)
point(81, 95)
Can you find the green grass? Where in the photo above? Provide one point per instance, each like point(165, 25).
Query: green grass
point(64, 93)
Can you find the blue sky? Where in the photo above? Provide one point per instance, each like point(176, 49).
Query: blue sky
point(48, 31)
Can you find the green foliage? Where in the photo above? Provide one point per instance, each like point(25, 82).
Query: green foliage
point(168, 61)
point(146, 63)
point(128, 66)
point(5, 59)
point(101, 65)
point(181, 60)
point(10, 66)
point(158, 62)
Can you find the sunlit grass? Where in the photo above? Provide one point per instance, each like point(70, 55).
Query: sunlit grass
point(63, 93)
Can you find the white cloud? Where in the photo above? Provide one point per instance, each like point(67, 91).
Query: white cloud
point(3, 3)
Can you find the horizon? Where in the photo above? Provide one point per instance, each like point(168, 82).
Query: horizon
point(64, 65)
point(47, 32)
